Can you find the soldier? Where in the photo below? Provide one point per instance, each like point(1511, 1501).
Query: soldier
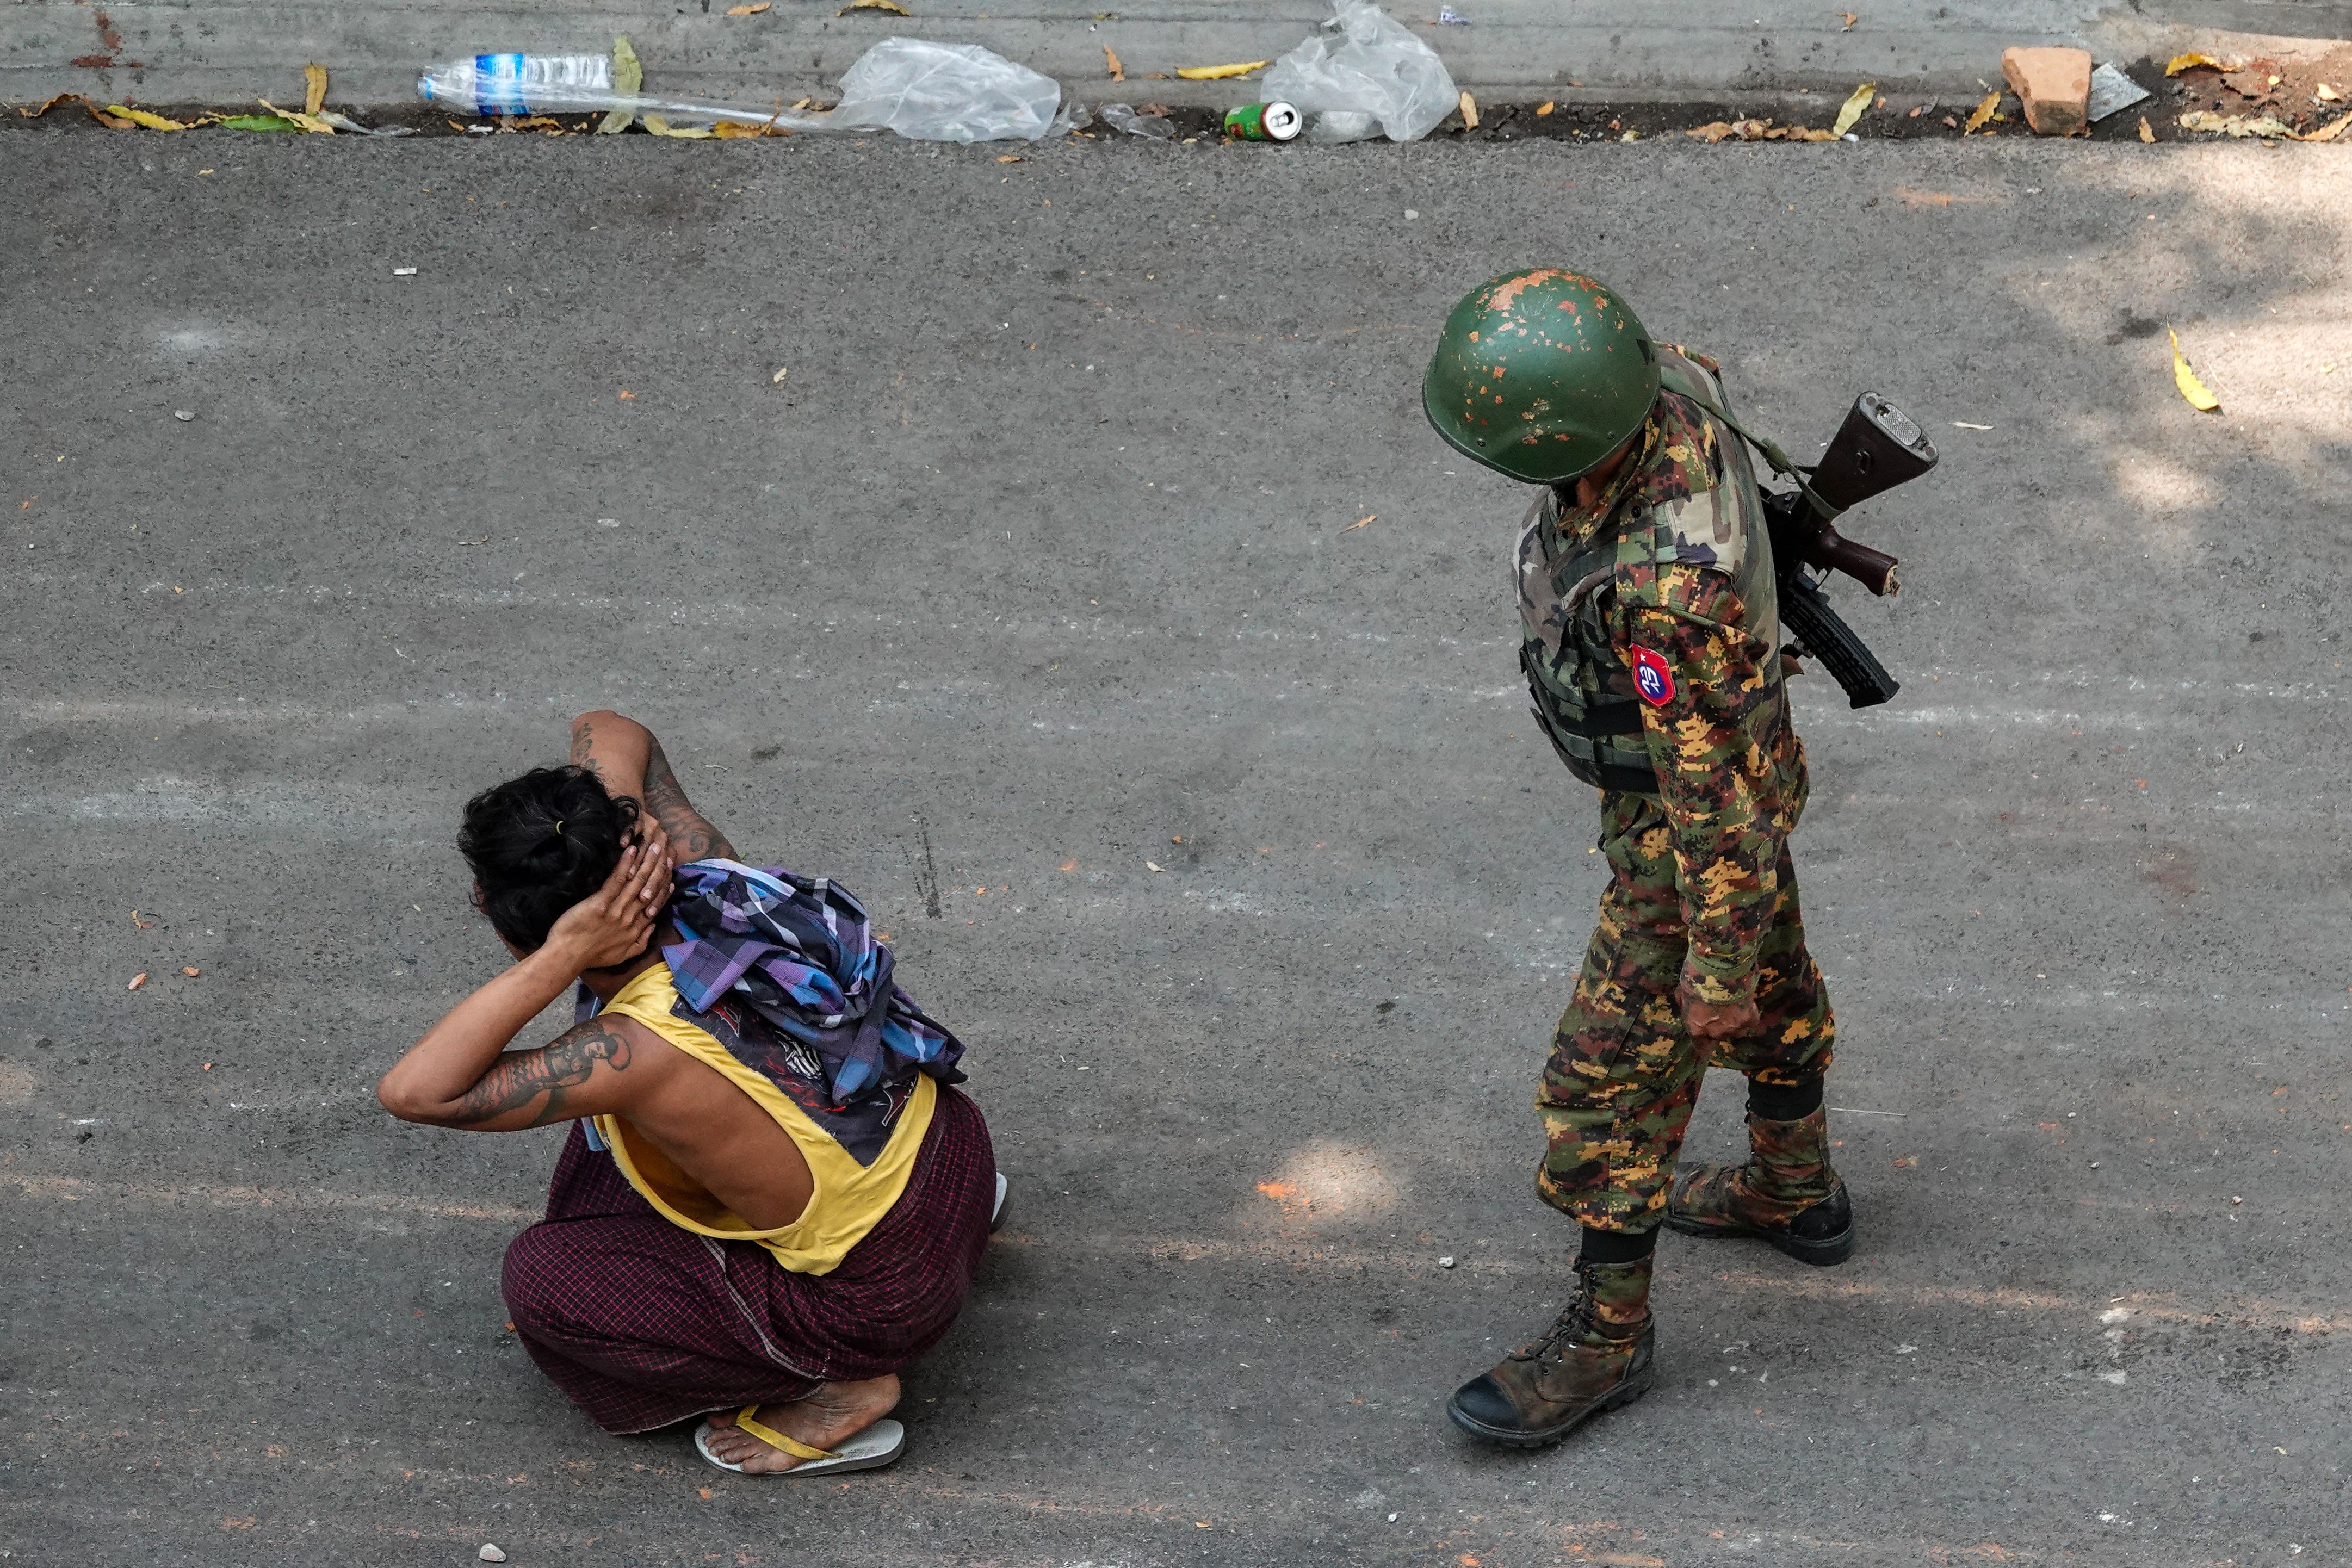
point(1653, 651)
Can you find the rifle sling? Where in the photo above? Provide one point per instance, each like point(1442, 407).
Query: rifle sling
point(1773, 454)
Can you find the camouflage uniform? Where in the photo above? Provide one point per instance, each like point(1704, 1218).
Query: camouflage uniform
point(1680, 614)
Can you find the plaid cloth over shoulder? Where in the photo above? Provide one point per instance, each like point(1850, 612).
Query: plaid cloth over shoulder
point(801, 953)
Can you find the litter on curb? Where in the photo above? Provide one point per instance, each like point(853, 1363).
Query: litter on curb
point(1264, 122)
point(2054, 86)
point(1123, 117)
point(926, 92)
point(2112, 92)
point(1362, 74)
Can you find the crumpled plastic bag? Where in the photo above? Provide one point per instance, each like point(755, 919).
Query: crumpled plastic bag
point(1374, 66)
point(1123, 117)
point(1343, 125)
point(945, 92)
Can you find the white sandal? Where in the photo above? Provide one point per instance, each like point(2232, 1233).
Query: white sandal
point(878, 1445)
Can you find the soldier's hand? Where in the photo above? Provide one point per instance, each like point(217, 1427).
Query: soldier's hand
point(1711, 1020)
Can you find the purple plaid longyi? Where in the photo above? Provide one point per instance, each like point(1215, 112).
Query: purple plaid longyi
point(643, 1324)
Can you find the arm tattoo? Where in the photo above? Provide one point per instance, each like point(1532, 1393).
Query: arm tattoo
point(519, 1077)
point(583, 746)
point(689, 831)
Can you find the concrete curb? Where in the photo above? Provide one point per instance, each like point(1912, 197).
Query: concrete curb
point(1744, 54)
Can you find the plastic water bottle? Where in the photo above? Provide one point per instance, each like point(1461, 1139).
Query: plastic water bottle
point(574, 84)
point(521, 84)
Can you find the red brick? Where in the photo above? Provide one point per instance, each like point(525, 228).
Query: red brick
point(2054, 84)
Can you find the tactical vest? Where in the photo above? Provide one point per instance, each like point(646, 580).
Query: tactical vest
point(1584, 695)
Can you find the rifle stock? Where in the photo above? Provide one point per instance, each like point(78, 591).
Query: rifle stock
point(1878, 447)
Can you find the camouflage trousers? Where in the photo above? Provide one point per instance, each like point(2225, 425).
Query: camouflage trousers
point(1623, 1075)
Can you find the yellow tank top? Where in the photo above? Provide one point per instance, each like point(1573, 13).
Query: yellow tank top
point(847, 1200)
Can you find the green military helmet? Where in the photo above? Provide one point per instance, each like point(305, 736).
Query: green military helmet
point(1540, 374)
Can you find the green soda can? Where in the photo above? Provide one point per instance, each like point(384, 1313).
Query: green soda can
point(1263, 123)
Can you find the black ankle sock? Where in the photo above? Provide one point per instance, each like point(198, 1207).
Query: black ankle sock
point(1606, 1247)
point(1782, 1102)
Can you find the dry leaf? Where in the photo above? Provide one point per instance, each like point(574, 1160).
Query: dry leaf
point(660, 127)
point(778, 379)
point(143, 924)
point(2237, 125)
point(1909, 1162)
point(2146, 132)
point(1469, 112)
point(2327, 94)
point(151, 121)
point(1984, 111)
point(891, 6)
point(1546, 107)
point(2198, 394)
point(2331, 130)
point(732, 130)
point(747, 10)
point(1011, 158)
point(2180, 63)
point(1155, 865)
point(628, 76)
point(1360, 522)
point(314, 97)
point(2249, 81)
point(61, 98)
point(309, 123)
point(112, 122)
point(1712, 133)
point(136, 982)
point(191, 971)
point(1856, 101)
point(1117, 71)
point(1851, 18)
point(1219, 73)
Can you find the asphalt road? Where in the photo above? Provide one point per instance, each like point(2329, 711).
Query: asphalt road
point(1039, 562)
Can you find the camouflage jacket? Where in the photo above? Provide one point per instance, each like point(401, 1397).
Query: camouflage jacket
point(1680, 614)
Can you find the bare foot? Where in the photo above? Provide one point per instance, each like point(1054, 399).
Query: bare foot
point(825, 1420)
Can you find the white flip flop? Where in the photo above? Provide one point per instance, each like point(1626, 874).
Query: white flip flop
point(996, 1210)
point(876, 1447)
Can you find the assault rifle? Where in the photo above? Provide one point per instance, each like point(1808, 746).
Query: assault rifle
point(1878, 447)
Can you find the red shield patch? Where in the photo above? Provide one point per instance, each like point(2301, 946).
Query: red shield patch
point(1653, 677)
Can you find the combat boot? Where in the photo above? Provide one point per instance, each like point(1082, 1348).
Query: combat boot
point(1596, 1356)
point(1786, 1193)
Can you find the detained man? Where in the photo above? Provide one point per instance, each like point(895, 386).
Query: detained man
point(771, 1200)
